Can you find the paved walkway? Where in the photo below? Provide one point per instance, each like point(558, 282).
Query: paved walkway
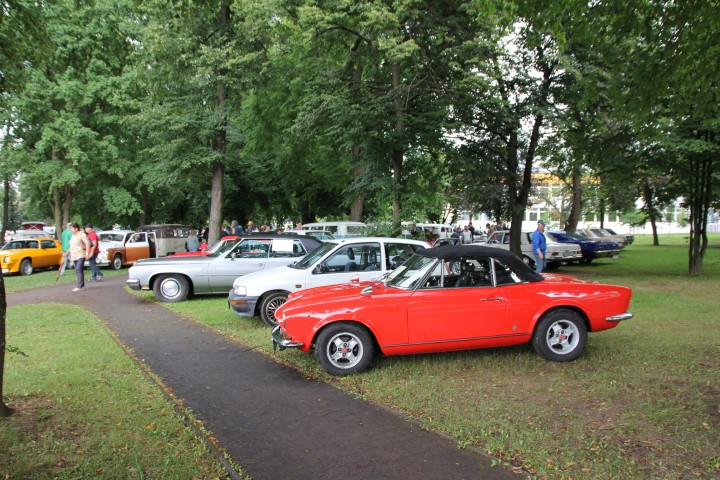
point(271, 420)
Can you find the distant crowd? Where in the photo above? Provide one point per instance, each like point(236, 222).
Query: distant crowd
point(465, 234)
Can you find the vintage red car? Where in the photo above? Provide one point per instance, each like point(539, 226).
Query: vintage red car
point(448, 298)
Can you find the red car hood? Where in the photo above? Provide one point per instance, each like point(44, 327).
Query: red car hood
point(341, 290)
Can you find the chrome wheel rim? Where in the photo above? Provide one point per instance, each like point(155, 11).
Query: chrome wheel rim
point(562, 337)
point(272, 307)
point(344, 350)
point(170, 288)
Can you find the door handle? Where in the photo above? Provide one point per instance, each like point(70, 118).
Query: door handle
point(493, 299)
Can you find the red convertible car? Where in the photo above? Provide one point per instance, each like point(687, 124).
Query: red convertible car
point(448, 298)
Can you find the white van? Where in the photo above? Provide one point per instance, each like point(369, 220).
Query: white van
point(338, 229)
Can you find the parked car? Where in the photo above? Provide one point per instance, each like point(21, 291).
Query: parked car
point(27, 255)
point(112, 242)
point(173, 279)
point(444, 299)
point(223, 242)
point(630, 238)
point(336, 261)
point(590, 249)
point(602, 234)
point(149, 241)
point(556, 253)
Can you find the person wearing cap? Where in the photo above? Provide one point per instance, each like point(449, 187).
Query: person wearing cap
point(92, 236)
point(539, 246)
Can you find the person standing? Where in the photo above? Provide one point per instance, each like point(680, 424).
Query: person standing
point(192, 244)
point(97, 275)
point(80, 249)
point(466, 237)
point(236, 228)
point(65, 240)
point(539, 246)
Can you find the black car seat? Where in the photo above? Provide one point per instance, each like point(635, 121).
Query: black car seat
point(466, 277)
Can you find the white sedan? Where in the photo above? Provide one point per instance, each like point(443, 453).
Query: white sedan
point(337, 261)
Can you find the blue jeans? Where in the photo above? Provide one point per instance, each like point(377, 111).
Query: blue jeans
point(539, 264)
point(79, 265)
point(96, 273)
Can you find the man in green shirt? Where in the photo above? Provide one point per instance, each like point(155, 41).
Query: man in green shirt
point(65, 239)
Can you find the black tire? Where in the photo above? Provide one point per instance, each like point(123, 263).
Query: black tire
point(117, 262)
point(171, 288)
point(268, 306)
point(528, 261)
point(354, 339)
point(560, 335)
point(26, 267)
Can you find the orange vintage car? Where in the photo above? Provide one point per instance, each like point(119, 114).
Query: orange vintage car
point(448, 298)
point(25, 256)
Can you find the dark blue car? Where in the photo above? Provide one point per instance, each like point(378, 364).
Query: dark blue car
point(591, 249)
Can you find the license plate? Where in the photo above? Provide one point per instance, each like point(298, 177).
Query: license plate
point(5, 270)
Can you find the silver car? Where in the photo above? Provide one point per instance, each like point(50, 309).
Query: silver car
point(602, 234)
point(555, 255)
point(173, 279)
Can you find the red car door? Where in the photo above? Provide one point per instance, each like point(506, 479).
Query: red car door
point(461, 314)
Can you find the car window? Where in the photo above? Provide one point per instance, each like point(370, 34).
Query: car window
point(48, 244)
point(111, 237)
point(283, 248)
point(32, 244)
point(140, 237)
point(461, 272)
point(397, 253)
point(410, 273)
point(353, 258)
point(310, 259)
point(504, 274)
point(251, 248)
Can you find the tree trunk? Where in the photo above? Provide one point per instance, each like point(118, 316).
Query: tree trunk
point(358, 204)
point(576, 207)
point(700, 200)
point(5, 411)
point(522, 191)
point(6, 207)
point(218, 167)
point(144, 205)
point(398, 153)
point(653, 226)
point(356, 209)
point(56, 209)
point(648, 195)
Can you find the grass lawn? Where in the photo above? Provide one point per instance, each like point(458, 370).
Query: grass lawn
point(84, 409)
point(642, 402)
